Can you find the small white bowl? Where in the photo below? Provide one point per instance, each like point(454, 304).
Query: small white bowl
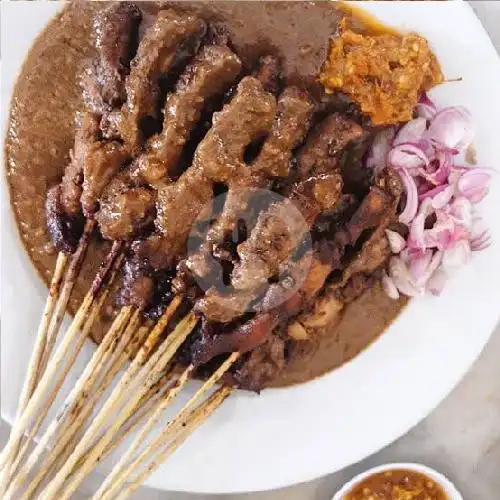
point(448, 487)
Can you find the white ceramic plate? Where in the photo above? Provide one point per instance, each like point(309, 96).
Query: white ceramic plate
point(293, 435)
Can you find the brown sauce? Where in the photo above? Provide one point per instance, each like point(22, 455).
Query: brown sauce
point(397, 485)
point(40, 135)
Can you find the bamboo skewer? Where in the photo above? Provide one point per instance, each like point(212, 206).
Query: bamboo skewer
point(70, 418)
point(59, 359)
point(142, 372)
point(84, 396)
point(121, 468)
point(48, 403)
point(196, 418)
point(53, 315)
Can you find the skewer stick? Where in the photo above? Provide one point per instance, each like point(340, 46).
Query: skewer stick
point(73, 270)
point(150, 373)
point(141, 437)
point(11, 449)
point(74, 410)
point(122, 469)
point(48, 403)
point(142, 410)
point(196, 418)
point(60, 355)
point(79, 406)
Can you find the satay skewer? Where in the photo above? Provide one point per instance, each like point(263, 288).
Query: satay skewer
point(55, 308)
point(188, 426)
point(141, 375)
point(58, 361)
point(77, 412)
point(122, 468)
point(50, 400)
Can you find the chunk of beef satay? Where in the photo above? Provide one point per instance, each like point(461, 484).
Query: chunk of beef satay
point(323, 149)
point(125, 209)
point(116, 32)
point(209, 74)
point(218, 159)
point(64, 228)
point(289, 128)
point(97, 160)
point(116, 36)
point(172, 36)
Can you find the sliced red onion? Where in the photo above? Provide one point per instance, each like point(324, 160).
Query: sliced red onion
point(438, 170)
point(396, 241)
point(408, 156)
point(457, 255)
point(437, 282)
point(473, 184)
point(418, 266)
point(389, 287)
point(401, 277)
point(411, 132)
point(411, 205)
point(452, 128)
point(426, 108)
point(439, 196)
point(480, 241)
point(461, 211)
point(382, 144)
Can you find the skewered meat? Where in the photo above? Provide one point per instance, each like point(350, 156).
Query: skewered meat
point(64, 229)
point(125, 209)
point(218, 159)
point(264, 363)
point(210, 73)
point(243, 338)
point(116, 29)
point(322, 151)
point(170, 38)
point(98, 161)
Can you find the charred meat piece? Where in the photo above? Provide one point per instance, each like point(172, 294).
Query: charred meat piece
point(264, 364)
point(116, 31)
point(97, 160)
point(324, 147)
point(210, 73)
point(65, 229)
point(172, 36)
point(138, 283)
point(278, 232)
point(242, 338)
point(218, 159)
point(125, 210)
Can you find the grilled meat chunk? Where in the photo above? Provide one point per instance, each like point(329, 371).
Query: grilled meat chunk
point(64, 228)
point(210, 73)
point(125, 210)
point(323, 149)
point(172, 36)
point(116, 31)
point(242, 338)
point(218, 159)
point(97, 160)
point(264, 363)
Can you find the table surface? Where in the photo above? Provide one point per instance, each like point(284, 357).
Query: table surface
point(461, 438)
